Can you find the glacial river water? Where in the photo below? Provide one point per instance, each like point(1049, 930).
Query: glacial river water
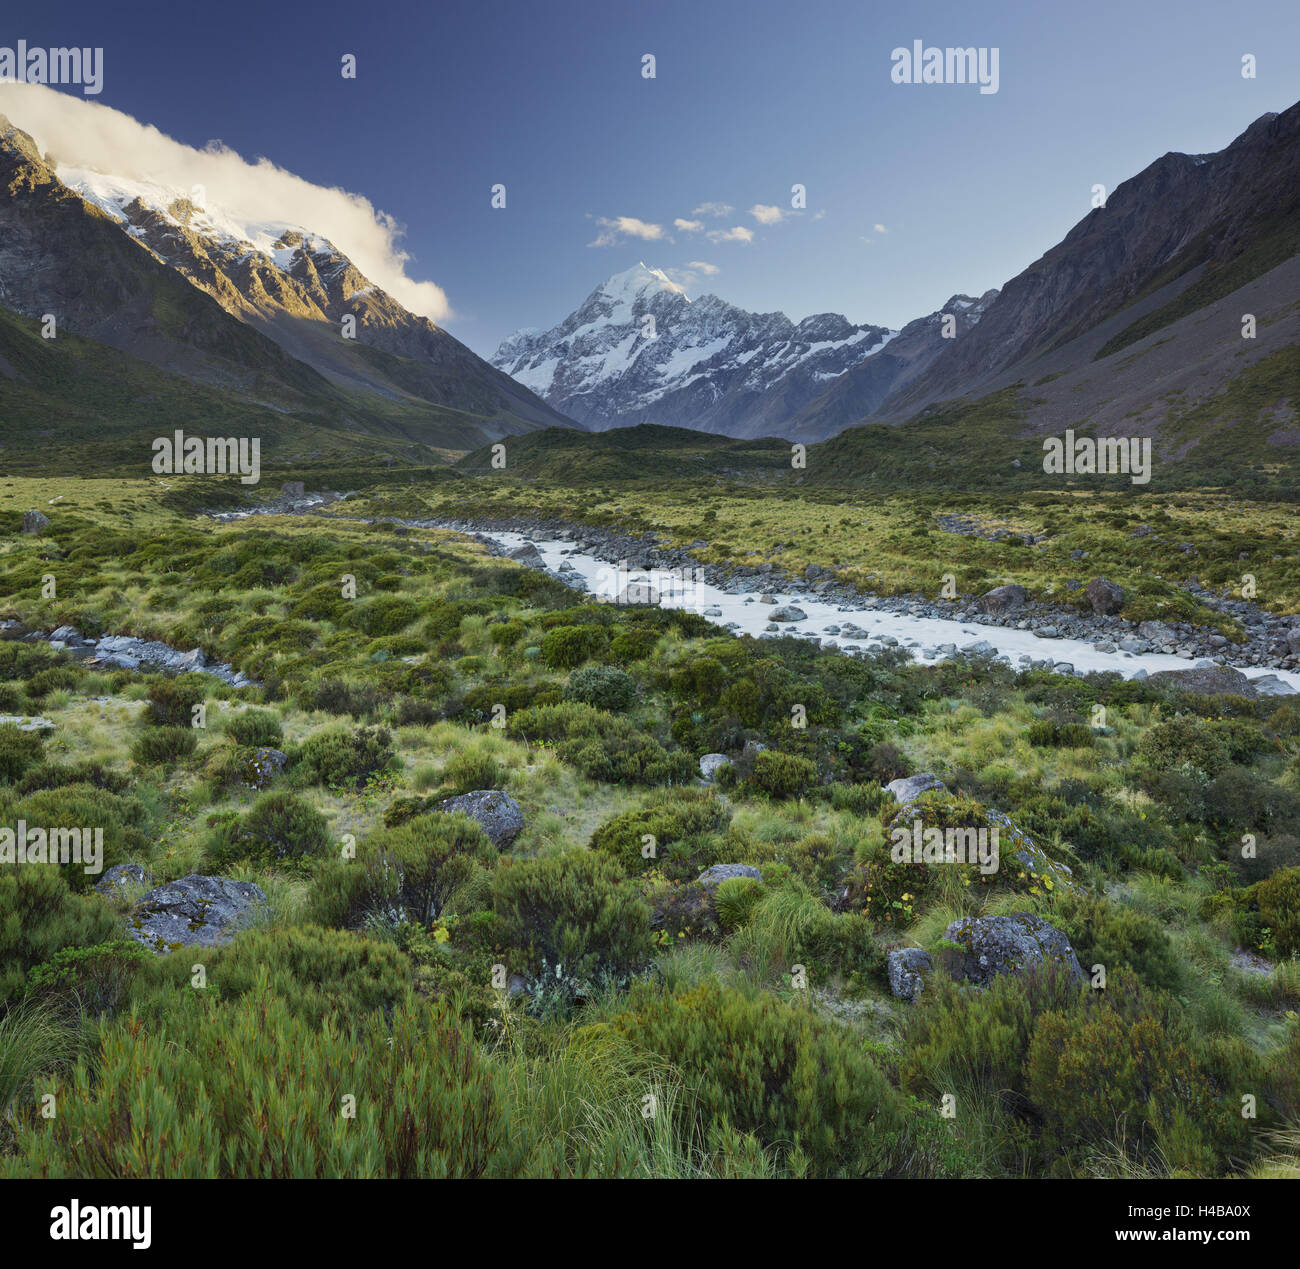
point(922, 636)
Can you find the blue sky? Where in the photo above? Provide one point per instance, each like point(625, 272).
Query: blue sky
point(750, 97)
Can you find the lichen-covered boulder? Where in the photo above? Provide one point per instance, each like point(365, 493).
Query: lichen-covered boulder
point(719, 873)
point(1021, 944)
point(908, 789)
point(710, 763)
point(122, 877)
point(906, 964)
point(265, 764)
point(498, 813)
point(194, 911)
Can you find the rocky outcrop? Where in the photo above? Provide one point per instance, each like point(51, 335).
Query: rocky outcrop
point(35, 522)
point(1105, 597)
point(909, 788)
point(719, 873)
point(1002, 599)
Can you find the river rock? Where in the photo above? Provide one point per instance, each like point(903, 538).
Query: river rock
point(1221, 681)
point(195, 911)
point(790, 613)
point(1019, 944)
point(1002, 599)
point(1105, 597)
point(498, 813)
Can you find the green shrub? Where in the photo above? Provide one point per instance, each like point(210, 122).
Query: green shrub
point(407, 873)
point(1279, 909)
point(473, 768)
point(1111, 934)
point(97, 978)
point(566, 647)
point(1184, 741)
point(386, 615)
point(172, 701)
point(805, 1088)
point(669, 817)
point(343, 757)
point(1120, 1069)
point(602, 746)
point(316, 972)
point(574, 911)
point(505, 634)
point(280, 827)
point(57, 678)
point(164, 746)
point(19, 750)
point(254, 728)
point(122, 820)
point(783, 775)
point(251, 1089)
point(603, 686)
point(39, 916)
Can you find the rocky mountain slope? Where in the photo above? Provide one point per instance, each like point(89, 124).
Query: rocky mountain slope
point(1136, 315)
point(142, 270)
point(709, 365)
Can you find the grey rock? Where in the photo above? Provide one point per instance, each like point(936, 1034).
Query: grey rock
point(498, 813)
point(1105, 596)
point(1019, 944)
point(905, 967)
point(265, 764)
point(719, 873)
point(1002, 599)
point(790, 613)
point(122, 877)
point(710, 763)
point(909, 788)
point(1221, 681)
point(35, 522)
point(1271, 685)
point(195, 911)
point(638, 592)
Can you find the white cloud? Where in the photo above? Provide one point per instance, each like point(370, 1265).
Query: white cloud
point(688, 226)
point(612, 232)
point(766, 214)
point(702, 266)
point(717, 210)
point(80, 133)
point(737, 233)
point(817, 215)
point(880, 229)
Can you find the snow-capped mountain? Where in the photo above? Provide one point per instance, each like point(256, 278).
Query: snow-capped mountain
point(701, 363)
point(297, 287)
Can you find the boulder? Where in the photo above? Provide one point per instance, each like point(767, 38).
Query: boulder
point(265, 764)
point(906, 965)
point(788, 613)
point(1020, 944)
point(1271, 685)
point(710, 763)
point(122, 877)
point(1001, 599)
point(35, 522)
point(525, 554)
point(294, 489)
point(195, 911)
point(908, 789)
point(638, 592)
point(498, 813)
point(1219, 681)
point(719, 873)
point(1105, 597)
